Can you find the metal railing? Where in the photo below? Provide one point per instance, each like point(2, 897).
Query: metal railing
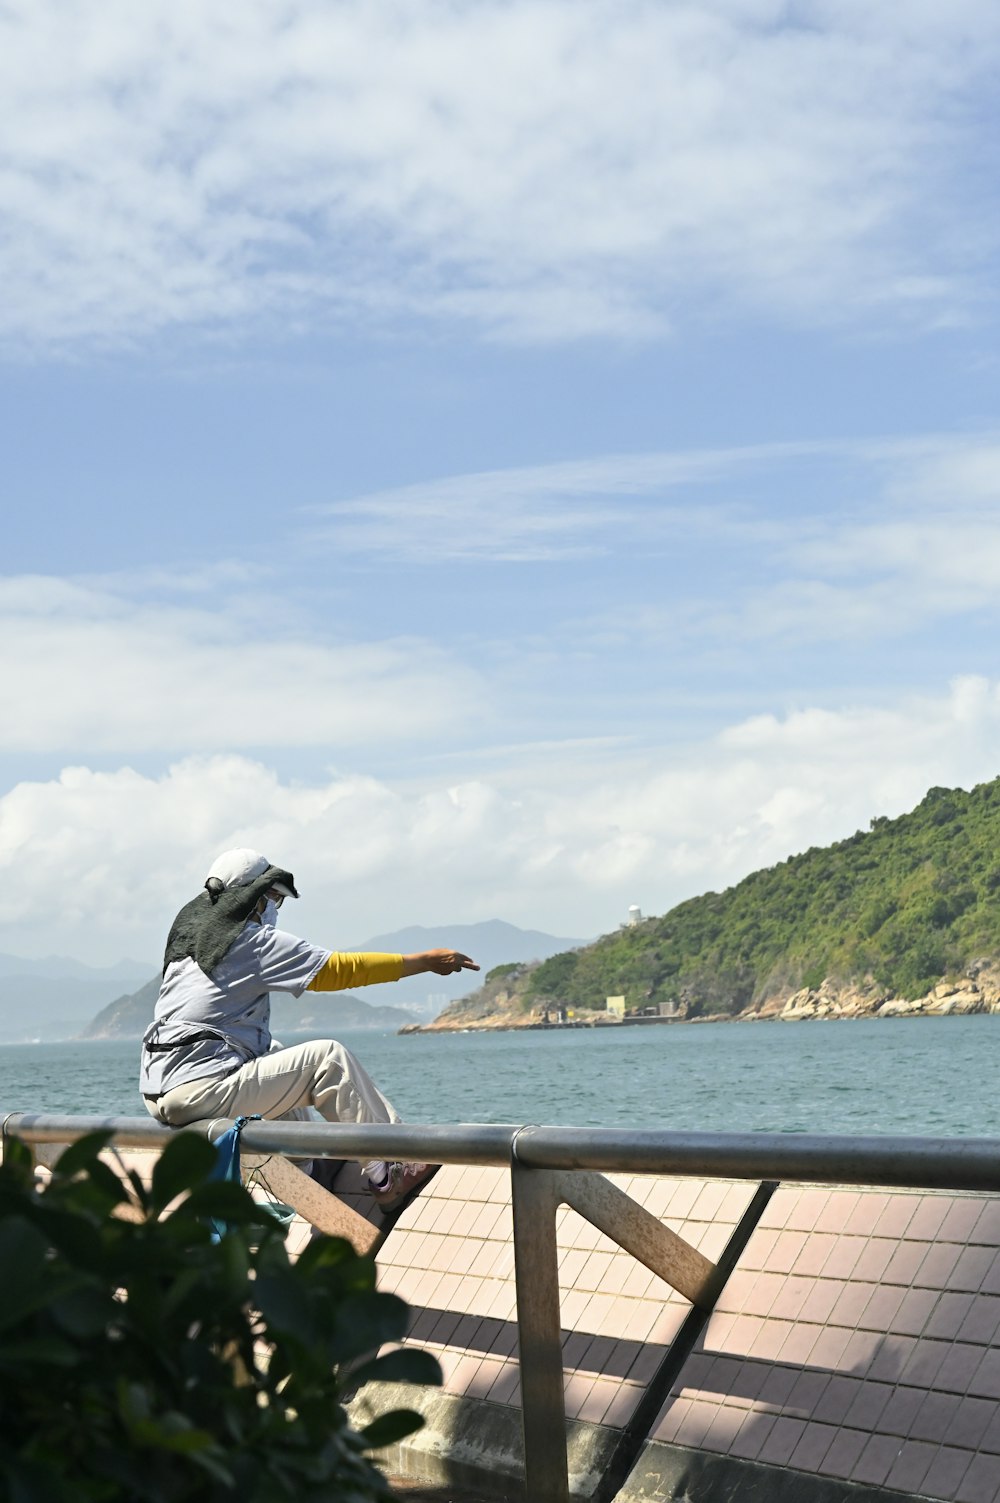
point(551, 1166)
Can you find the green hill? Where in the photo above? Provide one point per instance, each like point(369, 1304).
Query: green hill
point(909, 902)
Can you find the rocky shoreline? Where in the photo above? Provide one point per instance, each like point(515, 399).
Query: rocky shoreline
point(978, 991)
point(971, 994)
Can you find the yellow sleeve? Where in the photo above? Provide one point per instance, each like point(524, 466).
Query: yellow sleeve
point(340, 973)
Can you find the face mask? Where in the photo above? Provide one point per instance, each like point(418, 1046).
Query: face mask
point(270, 914)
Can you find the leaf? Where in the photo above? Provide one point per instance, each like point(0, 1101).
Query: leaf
point(99, 1189)
point(181, 1289)
point(76, 1238)
point(186, 1162)
point(403, 1365)
point(42, 1351)
point(389, 1428)
point(133, 1401)
point(29, 1280)
point(285, 1306)
point(366, 1323)
point(223, 1200)
point(104, 1179)
point(120, 1473)
point(82, 1154)
point(29, 1479)
point(134, 1179)
point(232, 1264)
point(83, 1312)
point(18, 1164)
point(172, 1432)
point(333, 1252)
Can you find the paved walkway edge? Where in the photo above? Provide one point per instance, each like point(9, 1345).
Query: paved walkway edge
point(670, 1474)
point(476, 1444)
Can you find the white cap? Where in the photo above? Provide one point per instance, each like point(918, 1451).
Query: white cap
point(238, 868)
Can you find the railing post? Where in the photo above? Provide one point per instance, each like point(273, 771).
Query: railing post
point(631, 1226)
point(32, 1150)
point(534, 1194)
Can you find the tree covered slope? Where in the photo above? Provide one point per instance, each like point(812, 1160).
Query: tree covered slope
point(909, 902)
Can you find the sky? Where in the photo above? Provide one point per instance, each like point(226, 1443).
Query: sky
point(514, 459)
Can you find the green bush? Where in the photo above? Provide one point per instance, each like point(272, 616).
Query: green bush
point(553, 979)
point(141, 1361)
point(814, 977)
point(510, 968)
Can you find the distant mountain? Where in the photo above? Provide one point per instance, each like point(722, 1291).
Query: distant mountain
point(322, 1015)
point(490, 943)
point(127, 1016)
point(51, 998)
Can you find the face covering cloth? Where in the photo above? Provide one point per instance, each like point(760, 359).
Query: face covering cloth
point(208, 926)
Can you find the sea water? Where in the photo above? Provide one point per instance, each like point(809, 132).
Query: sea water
point(934, 1076)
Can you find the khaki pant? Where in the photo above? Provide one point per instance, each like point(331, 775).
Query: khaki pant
point(283, 1083)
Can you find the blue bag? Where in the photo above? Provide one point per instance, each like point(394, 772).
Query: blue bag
point(227, 1146)
point(227, 1166)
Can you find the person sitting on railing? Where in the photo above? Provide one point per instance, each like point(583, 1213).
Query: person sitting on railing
point(208, 1051)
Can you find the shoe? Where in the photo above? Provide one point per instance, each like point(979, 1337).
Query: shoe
point(404, 1182)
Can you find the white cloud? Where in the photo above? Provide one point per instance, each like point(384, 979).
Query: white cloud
point(919, 539)
point(576, 508)
point(672, 582)
point(96, 863)
point(97, 670)
point(240, 657)
point(828, 541)
point(543, 168)
point(932, 475)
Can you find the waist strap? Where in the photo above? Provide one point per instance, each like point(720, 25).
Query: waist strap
point(190, 1038)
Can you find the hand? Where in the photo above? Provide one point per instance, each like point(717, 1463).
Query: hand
point(441, 962)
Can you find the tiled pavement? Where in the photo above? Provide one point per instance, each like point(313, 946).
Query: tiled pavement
point(452, 1258)
point(856, 1338)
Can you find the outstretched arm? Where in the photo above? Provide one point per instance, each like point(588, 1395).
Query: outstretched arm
point(342, 972)
point(441, 962)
